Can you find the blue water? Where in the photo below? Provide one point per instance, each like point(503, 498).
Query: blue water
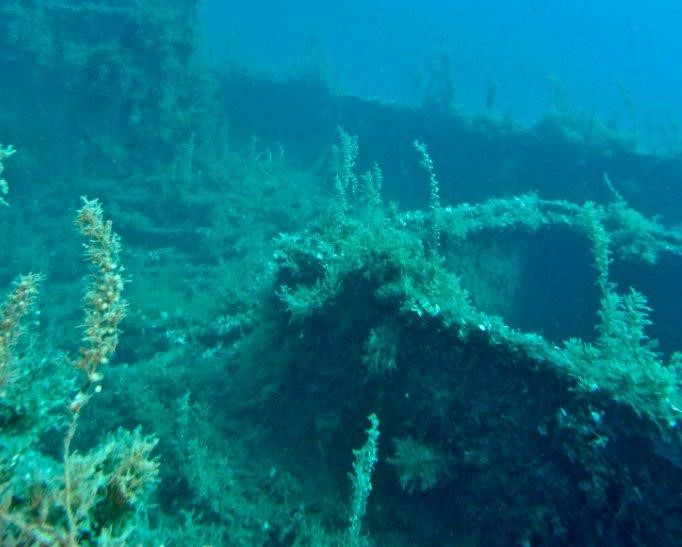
point(616, 59)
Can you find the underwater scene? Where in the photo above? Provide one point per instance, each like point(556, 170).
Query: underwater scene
point(276, 275)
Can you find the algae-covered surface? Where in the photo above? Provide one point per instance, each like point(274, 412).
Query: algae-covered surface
point(240, 311)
